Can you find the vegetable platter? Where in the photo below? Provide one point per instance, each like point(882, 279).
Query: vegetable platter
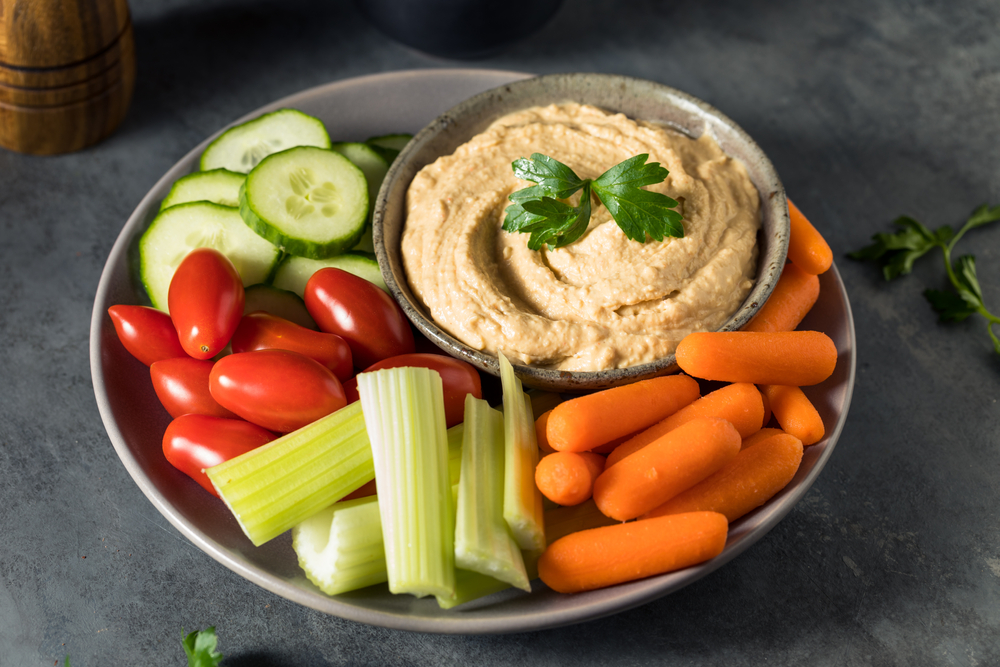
point(354, 109)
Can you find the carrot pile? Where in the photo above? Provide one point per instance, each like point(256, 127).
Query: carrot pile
point(681, 467)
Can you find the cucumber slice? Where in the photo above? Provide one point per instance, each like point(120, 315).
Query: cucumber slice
point(371, 164)
point(220, 186)
point(241, 148)
point(308, 201)
point(282, 303)
point(389, 145)
point(178, 230)
point(294, 272)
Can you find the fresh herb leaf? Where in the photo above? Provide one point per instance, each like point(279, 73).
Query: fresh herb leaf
point(200, 648)
point(897, 253)
point(538, 211)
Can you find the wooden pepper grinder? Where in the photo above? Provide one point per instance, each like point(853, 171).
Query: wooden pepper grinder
point(67, 71)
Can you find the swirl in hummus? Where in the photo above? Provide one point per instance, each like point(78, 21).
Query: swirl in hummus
point(603, 301)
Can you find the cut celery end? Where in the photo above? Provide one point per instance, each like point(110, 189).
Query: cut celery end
point(483, 541)
point(471, 586)
point(522, 502)
point(404, 415)
point(340, 549)
point(288, 480)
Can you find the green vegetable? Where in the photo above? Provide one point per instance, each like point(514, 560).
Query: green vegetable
point(537, 210)
point(199, 647)
point(483, 541)
point(404, 414)
point(522, 502)
point(279, 485)
point(897, 253)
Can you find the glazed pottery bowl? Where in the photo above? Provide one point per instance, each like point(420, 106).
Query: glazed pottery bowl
point(635, 98)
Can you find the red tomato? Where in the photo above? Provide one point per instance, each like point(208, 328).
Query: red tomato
point(147, 333)
point(205, 301)
point(277, 389)
point(360, 313)
point(195, 442)
point(458, 377)
point(181, 384)
point(263, 331)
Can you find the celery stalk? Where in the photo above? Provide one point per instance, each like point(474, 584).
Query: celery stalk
point(340, 548)
point(483, 542)
point(404, 414)
point(274, 487)
point(522, 502)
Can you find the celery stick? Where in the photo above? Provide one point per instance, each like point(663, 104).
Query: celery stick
point(483, 542)
point(522, 502)
point(274, 487)
point(562, 521)
point(404, 414)
point(471, 586)
point(340, 548)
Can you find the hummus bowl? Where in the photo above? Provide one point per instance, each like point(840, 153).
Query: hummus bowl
point(636, 99)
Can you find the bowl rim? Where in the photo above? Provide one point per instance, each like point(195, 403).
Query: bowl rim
point(772, 198)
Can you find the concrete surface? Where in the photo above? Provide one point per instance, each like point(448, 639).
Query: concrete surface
point(869, 110)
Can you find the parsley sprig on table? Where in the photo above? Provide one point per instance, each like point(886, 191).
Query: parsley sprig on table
point(537, 210)
point(897, 253)
point(200, 648)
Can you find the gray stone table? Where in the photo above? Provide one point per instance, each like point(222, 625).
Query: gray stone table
point(869, 110)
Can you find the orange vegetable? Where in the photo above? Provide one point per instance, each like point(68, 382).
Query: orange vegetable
point(767, 409)
point(567, 478)
point(797, 358)
point(658, 472)
point(740, 404)
point(755, 476)
point(793, 297)
point(611, 555)
point(760, 436)
point(540, 428)
point(795, 413)
point(806, 246)
point(561, 521)
point(586, 422)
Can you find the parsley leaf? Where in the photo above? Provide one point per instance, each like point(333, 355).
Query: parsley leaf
point(897, 253)
point(200, 648)
point(538, 211)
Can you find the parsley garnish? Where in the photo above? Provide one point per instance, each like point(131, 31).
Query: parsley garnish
point(200, 648)
point(897, 253)
point(537, 210)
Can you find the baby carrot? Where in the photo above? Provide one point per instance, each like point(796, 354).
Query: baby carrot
point(541, 425)
point(797, 358)
point(586, 422)
point(795, 413)
point(760, 436)
point(793, 297)
point(611, 555)
point(567, 478)
point(767, 409)
point(744, 484)
point(739, 404)
point(665, 467)
point(806, 246)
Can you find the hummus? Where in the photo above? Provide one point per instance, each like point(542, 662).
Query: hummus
point(603, 301)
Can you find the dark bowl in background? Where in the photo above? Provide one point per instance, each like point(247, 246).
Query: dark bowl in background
point(463, 29)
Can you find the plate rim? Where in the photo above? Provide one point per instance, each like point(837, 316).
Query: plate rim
point(642, 592)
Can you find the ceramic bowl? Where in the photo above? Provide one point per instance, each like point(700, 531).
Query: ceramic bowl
point(635, 98)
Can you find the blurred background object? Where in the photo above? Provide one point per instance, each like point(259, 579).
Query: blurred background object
point(67, 71)
point(465, 29)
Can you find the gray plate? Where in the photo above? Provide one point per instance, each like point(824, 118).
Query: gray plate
point(354, 110)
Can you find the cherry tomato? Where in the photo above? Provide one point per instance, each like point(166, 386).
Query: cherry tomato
point(360, 313)
point(205, 301)
point(263, 331)
point(195, 442)
point(458, 377)
point(181, 384)
point(147, 333)
point(277, 389)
